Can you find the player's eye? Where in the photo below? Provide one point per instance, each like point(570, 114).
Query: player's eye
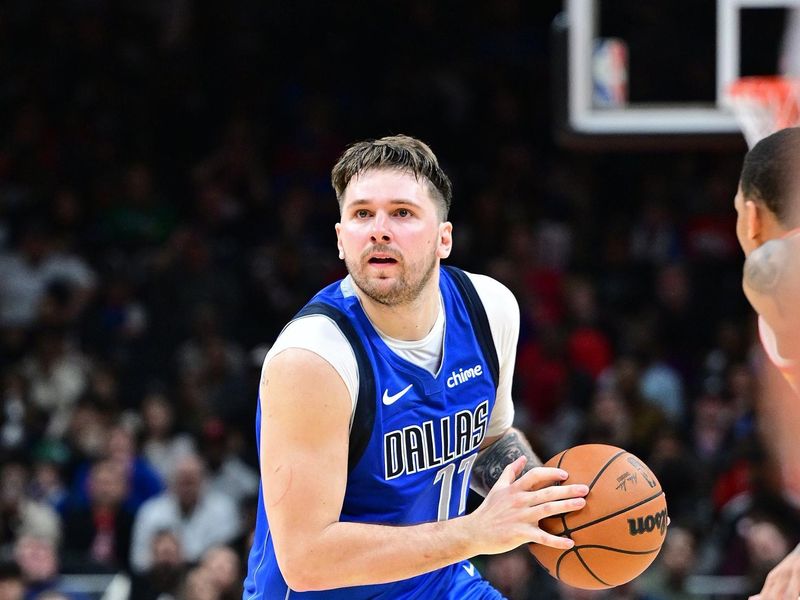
point(403, 212)
point(362, 213)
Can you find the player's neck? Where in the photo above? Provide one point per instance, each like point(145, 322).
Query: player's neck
point(410, 321)
point(791, 232)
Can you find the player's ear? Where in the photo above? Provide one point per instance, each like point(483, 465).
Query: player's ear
point(753, 220)
point(338, 229)
point(445, 242)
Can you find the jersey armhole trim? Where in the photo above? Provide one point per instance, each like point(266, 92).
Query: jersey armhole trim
point(364, 414)
point(477, 315)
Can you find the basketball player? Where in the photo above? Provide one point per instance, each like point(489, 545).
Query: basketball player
point(384, 399)
point(768, 228)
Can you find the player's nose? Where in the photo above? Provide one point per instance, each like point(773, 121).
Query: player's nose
point(381, 231)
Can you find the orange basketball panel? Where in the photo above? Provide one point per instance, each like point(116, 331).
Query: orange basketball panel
point(572, 571)
point(640, 529)
point(603, 567)
point(546, 556)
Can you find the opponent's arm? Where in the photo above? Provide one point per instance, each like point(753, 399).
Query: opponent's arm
point(496, 454)
point(771, 283)
point(304, 443)
point(783, 580)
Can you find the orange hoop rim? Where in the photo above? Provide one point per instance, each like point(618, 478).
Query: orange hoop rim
point(764, 86)
point(764, 104)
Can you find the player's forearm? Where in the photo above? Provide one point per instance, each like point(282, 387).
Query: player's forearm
point(348, 554)
point(493, 459)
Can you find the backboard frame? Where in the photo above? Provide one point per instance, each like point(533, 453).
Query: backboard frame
point(651, 119)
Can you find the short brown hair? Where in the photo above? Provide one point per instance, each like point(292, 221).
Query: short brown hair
point(400, 152)
point(770, 174)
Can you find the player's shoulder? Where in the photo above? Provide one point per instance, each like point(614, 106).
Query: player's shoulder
point(772, 267)
point(316, 332)
point(312, 343)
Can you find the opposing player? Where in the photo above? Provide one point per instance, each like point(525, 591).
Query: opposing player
point(385, 399)
point(768, 227)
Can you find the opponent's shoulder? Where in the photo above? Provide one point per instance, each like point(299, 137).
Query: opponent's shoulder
point(766, 267)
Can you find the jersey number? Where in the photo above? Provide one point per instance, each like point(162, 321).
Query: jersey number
point(445, 475)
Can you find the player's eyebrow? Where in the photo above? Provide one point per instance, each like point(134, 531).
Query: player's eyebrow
point(393, 201)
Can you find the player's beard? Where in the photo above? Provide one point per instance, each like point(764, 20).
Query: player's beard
point(407, 285)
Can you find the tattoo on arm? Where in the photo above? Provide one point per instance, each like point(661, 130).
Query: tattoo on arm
point(764, 268)
point(492, 460)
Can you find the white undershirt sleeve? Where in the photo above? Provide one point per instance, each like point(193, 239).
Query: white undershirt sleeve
point(320, 335)
point(502, 311)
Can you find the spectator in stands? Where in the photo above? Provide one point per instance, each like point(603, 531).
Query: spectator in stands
point(98, 535)
point(199, 585)
point(212, 366)
point(143, 482)
point(11, 584)
point(666, 578)
point(87, 432)
point(47, 476)
point(164, 578)
point(201, 517)
point(162, 445)
point(38, 560)
point(224, 571)
point(56, 374)
point(19, 514)
point(27, 272)
point(227, 473)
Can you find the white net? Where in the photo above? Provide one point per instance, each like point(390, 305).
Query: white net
point(763, 105)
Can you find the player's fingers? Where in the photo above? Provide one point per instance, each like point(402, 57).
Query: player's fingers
point(557, 492)
point(557, 507)
point(512, 471)
point(538, 476)
point(547, 539)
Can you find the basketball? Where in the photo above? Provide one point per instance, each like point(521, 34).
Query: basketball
point(618, 532)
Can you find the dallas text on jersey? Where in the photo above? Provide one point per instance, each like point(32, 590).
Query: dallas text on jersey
point(419, 447)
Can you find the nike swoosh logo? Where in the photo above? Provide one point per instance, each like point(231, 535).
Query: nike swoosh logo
point(469, 568)
point(389, 400)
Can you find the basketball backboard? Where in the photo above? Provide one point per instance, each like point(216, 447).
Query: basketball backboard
point(621, 54)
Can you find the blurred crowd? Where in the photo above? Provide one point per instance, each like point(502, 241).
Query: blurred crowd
point(165, 207)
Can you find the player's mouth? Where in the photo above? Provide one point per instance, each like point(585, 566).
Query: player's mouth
point(382, 257)
point(382, 260)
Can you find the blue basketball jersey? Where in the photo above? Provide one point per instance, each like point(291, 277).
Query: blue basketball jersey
point(423, 432)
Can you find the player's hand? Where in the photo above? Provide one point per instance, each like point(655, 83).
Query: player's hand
point(783, 582)
point(509, 515)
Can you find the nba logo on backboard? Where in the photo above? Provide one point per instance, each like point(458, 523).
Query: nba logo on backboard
point(609, 73)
